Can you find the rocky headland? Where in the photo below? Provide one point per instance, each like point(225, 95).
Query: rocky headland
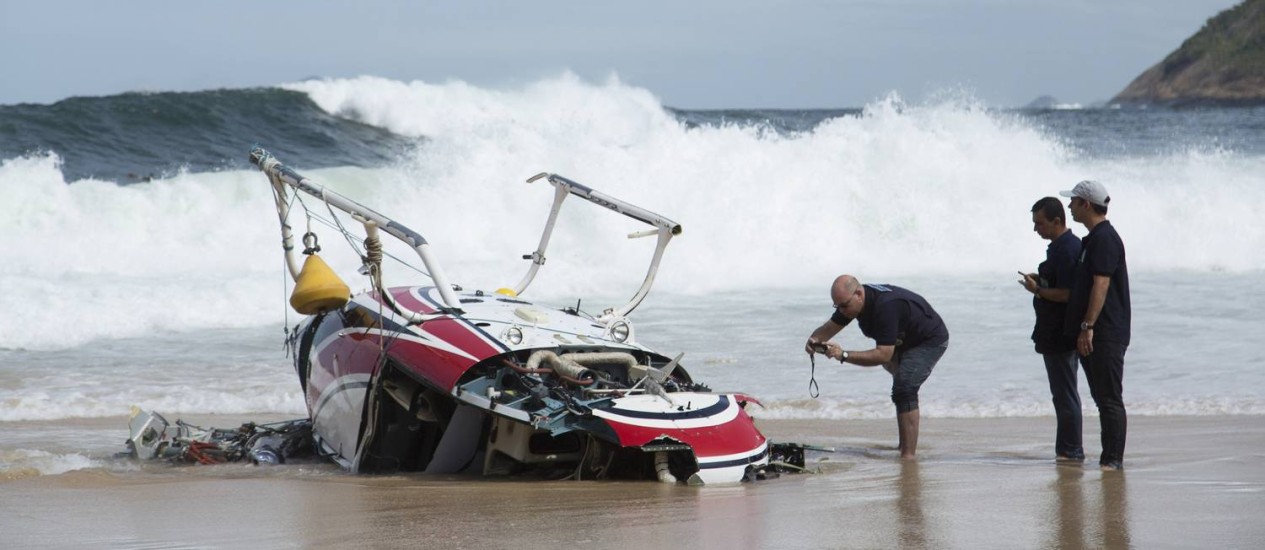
point(1223, 63)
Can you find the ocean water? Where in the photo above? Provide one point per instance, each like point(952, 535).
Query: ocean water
point(141, 264)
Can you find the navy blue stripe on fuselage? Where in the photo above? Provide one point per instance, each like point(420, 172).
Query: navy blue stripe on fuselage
point(440, 307)
point(735, 462)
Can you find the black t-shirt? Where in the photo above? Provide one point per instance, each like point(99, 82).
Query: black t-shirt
point(893, 316)
point(1102, 253)
point(1057, 271)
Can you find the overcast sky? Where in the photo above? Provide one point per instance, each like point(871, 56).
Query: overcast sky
point(691, 54)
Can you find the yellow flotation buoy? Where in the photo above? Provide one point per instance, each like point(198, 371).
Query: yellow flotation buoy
point(507, 292)
point(318, 288)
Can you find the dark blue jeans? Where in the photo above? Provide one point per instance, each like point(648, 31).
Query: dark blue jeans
point(1060, 368)
point(1104, 369)
point(913, 368)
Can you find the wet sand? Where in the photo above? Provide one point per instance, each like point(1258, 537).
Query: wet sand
point(990, 483)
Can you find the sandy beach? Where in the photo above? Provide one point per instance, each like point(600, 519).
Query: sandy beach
point(979, 483)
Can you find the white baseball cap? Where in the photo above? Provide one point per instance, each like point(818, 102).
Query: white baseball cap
point(1091, 191)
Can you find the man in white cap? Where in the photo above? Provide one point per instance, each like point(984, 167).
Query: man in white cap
point(1099, 314)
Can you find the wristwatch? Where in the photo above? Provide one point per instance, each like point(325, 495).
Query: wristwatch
point(1086, 326)
point(843, 356)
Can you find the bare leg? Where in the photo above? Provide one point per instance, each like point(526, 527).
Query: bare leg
point(907, 426)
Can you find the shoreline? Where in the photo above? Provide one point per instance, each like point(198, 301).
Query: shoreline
point(1189, 481)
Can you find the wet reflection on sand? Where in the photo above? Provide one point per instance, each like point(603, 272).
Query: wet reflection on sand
point(1113, 514)
point(1070, 503)
point(1091, 511)
point(912, 532)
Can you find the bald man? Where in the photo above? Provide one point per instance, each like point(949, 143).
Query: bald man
point(909, 339)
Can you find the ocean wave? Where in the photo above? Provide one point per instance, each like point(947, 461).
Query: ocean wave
point(20, 463)
point(800, 409)
point(135, 137)
point(41, 407)
point(893, 190)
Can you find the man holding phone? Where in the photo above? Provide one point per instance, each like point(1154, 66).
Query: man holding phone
point(909, 339)
point(1050, 287)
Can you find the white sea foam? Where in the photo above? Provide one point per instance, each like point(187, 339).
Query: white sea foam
point(900, 189)
point(113, 396)
point(16, 463)
point(1032, 406)
point(933, 195)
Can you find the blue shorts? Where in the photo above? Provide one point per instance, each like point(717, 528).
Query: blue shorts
point(913, 367)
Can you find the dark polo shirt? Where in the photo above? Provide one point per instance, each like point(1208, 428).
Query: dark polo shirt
point(1102, 253)
point(893, 316)
point(1057, 271)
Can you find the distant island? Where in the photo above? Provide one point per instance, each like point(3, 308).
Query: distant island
point(1223, 63)
point(1048, 102)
